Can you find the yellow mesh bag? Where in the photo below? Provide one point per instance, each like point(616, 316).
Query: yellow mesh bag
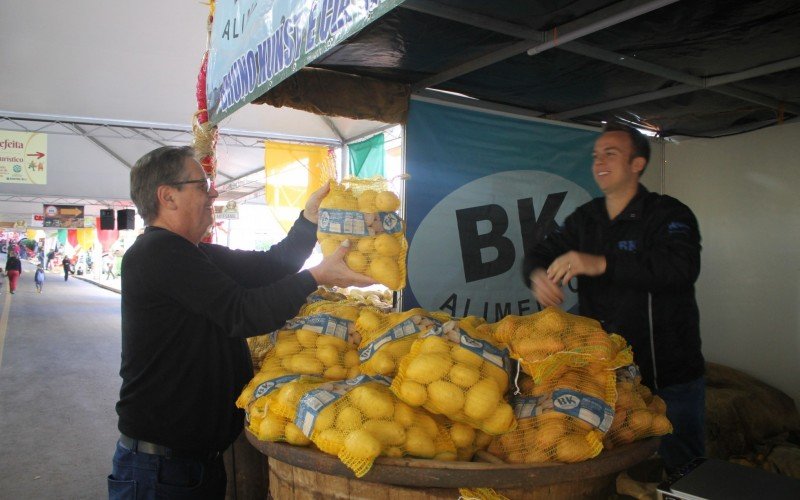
point(547, 342)
point(360, 419)
point(638, 413)
point(387, 337)
point(257, 399)
point(464, 377)
point(561, 420)
point(364, 211)
point(480, 494)
point(321, 344)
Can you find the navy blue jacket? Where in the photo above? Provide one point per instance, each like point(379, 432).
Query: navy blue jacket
point(647, 295)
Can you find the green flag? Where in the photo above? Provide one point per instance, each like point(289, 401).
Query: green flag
point(62, 236)
point(366, 157)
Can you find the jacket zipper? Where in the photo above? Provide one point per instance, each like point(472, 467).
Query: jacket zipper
point(652, 339)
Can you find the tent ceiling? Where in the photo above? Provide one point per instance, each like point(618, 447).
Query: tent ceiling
point(678, 67)
point(109, 81)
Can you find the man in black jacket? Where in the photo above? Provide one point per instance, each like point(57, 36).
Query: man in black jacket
point(636, 256)
point(187, 308)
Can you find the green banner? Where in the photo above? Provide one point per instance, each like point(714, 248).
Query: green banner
point(256, 44)
point(366, 157)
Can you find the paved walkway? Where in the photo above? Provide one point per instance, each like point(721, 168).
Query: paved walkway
point(59, 382)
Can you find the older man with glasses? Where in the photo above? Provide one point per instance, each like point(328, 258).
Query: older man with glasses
point(187, 308)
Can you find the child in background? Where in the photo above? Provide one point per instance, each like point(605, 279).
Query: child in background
point(38, 278)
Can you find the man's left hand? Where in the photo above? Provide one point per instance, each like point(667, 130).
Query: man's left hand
point(572, 263)
point(311, 211)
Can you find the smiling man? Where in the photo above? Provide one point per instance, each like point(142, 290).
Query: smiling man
point(636, 257)
point(187, 308)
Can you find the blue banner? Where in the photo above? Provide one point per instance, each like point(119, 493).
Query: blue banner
point(483, 188)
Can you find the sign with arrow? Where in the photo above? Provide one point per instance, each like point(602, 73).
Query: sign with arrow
point(70, 216)
point(23, 157)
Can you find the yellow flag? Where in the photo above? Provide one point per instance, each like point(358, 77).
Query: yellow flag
point(293, 172)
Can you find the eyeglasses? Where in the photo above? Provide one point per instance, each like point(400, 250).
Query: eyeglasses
point(206, 181)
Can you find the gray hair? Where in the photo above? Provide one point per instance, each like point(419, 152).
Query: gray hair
point(160, 166)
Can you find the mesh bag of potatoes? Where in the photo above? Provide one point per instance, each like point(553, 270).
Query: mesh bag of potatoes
point(365, 212)
point(548, 341)
point(638, 413)
point(387, 337)
point(321, 344)
point(562, 419)
point(258, 400)
point(462, 376)
point(360, 419)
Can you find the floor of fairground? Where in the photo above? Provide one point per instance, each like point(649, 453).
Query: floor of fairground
point(59, 365)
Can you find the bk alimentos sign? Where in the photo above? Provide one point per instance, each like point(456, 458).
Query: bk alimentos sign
point(256, 44)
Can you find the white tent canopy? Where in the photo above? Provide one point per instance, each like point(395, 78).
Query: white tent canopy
point(109, 81)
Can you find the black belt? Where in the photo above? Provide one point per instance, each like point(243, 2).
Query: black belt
point(139, 446)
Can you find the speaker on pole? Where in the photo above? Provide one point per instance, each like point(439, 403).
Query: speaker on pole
point(126, 219)
point(107, 219)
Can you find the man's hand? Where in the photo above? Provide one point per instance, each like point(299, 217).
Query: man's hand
point(311, 211)
point(572, 263)
point(545, 291)
point(332, 271)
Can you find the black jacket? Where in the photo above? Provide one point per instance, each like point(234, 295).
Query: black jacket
point(652, 251)
point(186, 310)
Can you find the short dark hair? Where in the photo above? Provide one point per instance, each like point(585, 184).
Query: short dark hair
point(158, 167)
point(641, 145)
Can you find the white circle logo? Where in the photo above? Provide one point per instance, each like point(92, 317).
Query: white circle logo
point(466, 256)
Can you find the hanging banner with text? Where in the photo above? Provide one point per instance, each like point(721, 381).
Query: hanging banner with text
point(256, 44)
point(483, 189)
point(23, 157)
point(69, 216)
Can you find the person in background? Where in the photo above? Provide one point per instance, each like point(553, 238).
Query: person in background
point(13, 270)
point(187, 308)
point(51, 255)
point(108, 267)
point(38, 278)
point(67, 263)
point(636, 256)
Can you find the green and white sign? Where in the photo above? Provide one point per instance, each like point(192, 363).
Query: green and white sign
point(256, 44)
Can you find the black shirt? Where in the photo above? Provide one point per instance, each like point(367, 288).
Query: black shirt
point(186, 311)
point(13, 264)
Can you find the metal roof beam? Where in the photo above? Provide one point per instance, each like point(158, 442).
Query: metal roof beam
point(679, 76)
point(599, 20)
point(155, 127)
point(102, 146)
point(684, 88)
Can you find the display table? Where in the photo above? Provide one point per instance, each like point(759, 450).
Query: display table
point(306, 472)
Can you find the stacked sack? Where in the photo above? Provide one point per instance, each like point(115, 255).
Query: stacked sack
point(386, 338)
point(360, 419)
point(365, 213)
point(547, 342)
point(323, 343)
point(566, 401)
point(456, 371)
point(260, 399)
point(639, 413)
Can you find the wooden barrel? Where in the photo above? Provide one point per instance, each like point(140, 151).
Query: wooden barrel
point(297, 472)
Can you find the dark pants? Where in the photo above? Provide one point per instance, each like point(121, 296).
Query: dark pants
point(142, 476)
point(686, 409)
